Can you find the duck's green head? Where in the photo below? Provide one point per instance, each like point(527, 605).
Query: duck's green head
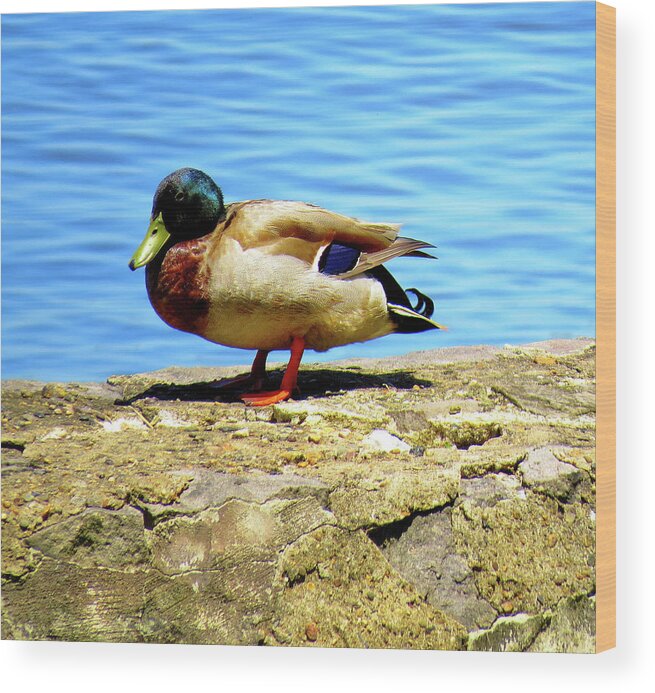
point(187, 204)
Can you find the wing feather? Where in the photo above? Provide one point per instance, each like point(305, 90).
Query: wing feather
point(316, 235)
point(257, 223)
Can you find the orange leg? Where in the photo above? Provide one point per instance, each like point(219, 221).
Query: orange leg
point(255, 378)
point(289, 380)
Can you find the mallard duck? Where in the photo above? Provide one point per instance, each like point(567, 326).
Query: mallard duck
point(268, 274)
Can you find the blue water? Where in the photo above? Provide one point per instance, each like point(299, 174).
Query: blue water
point(471, 125)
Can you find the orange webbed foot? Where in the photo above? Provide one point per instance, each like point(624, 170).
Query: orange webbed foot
point(263, 399)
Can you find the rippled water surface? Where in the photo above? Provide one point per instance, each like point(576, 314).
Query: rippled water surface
point(471, 125)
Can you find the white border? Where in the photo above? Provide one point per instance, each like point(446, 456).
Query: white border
point(77, 667)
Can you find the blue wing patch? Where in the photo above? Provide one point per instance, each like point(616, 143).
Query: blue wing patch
point(337, 259)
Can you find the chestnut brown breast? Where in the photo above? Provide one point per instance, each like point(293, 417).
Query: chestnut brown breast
point(178, 286)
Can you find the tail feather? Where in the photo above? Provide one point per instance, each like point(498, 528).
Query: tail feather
point(420, 253)
point(407, 318)
point(401, 246)
point(409, 321)
point(424, 304)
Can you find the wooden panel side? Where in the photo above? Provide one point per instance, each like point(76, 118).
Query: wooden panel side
point(606, 326)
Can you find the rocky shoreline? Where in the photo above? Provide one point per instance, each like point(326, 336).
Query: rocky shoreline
point(444, 499)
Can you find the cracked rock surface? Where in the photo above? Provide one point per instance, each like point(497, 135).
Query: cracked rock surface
point(443, 499)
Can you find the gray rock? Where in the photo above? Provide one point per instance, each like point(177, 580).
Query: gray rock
point(425, 554)
point(236, 533)
point(490, 489)
point(455, 354)
point(561, 347)
point(543, 472)
point(210, 489)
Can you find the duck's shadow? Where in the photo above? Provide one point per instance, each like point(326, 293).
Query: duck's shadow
point(316, 383)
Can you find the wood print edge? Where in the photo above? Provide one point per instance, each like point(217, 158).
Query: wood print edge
point(606, 326)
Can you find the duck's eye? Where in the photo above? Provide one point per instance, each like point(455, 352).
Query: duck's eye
point(179, 196)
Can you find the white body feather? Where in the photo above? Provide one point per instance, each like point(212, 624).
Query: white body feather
point(262, 301)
